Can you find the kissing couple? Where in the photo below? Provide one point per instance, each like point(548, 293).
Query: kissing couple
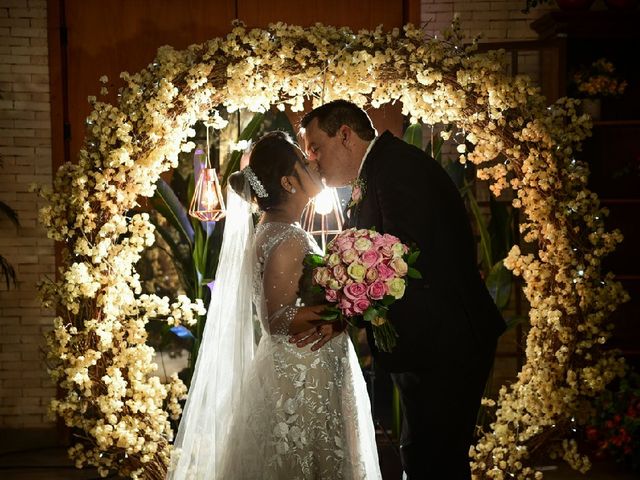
point(277, 392)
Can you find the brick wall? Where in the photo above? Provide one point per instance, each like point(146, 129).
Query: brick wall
point(494, 20)
point(25, 150)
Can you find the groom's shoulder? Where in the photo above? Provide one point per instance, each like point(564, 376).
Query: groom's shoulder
point(390, 145)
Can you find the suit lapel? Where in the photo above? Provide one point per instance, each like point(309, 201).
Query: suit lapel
point(366, 176)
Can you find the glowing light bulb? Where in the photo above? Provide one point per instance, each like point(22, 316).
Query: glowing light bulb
point(324, 201)
point(210, 199)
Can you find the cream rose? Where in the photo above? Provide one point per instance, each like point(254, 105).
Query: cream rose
point(400, 266)
point(357, 271)
point(396, 287)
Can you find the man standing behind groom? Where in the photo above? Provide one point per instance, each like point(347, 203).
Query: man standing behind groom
point(447, 322)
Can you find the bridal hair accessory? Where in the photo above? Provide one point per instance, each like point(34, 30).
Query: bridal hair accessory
point(255, 182)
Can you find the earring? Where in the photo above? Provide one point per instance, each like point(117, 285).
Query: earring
point(293, 189)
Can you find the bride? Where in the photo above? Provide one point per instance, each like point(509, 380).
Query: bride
point(259, 407)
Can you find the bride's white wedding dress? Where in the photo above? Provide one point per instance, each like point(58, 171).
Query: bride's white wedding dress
point(304, 414)
point(274, 411)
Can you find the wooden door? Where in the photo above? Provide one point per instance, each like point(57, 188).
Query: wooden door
point(88, 39)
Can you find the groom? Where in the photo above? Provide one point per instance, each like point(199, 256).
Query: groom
point(447, 323)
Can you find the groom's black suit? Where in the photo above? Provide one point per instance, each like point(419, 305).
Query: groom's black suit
point(447, 323)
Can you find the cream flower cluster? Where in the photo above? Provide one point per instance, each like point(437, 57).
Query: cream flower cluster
point(101, 362)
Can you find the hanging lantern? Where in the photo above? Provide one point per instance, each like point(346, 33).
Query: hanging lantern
point(323, 216)
point(207, 203)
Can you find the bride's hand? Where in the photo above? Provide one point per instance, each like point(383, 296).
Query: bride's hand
point(320, 334)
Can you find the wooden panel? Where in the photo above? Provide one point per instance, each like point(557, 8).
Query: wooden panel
point(356, 14)
point(106, 38)
point(58, 89)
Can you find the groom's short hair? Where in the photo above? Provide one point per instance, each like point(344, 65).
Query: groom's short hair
point(331, 116)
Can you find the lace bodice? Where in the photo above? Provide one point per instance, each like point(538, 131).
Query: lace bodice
point(280, 250)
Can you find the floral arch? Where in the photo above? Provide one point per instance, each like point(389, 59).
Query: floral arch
point(101, 363)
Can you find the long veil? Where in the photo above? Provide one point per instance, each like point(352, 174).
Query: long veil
point(226, 350)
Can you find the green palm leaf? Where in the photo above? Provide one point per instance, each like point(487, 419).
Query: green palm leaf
point(167, 203)
point(8, 271)
point(413, 135)
point(485, 238)
point(499, 283)
point(10, 213)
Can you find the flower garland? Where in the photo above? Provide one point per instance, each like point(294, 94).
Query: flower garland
point(99, 358)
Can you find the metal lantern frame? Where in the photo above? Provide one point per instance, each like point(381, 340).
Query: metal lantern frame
point(207, 203)
point(310, 220)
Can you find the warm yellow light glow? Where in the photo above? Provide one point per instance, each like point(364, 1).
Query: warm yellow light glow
point(324, 201)
point(210, 198)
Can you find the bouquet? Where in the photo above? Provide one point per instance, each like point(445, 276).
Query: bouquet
point(362, 273)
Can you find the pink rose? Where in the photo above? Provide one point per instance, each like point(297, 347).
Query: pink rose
point(340, 273)
point(385, 272)
point(378, 241)
point(346, 307)
point(377, 290)
point(370, 258)
point(349, 256)
point(331, 296)
point(371, 275)
point(390, 240)
point(348, 233)
point(344, 243)
point(360, 305)
point(355, 291)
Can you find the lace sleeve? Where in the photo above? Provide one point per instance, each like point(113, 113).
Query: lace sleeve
point(282, 272)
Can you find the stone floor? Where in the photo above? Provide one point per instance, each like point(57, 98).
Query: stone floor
point(34, 455)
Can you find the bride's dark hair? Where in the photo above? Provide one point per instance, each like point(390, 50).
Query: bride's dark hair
point(272, 157)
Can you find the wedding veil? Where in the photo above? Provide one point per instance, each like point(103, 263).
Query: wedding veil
point(226, 350)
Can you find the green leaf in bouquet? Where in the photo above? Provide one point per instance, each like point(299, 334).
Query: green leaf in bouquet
point(388, 300)
point(413, 256)
point(314, 260)
point(413, 273)
point(370, 314)
point(317, 289)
